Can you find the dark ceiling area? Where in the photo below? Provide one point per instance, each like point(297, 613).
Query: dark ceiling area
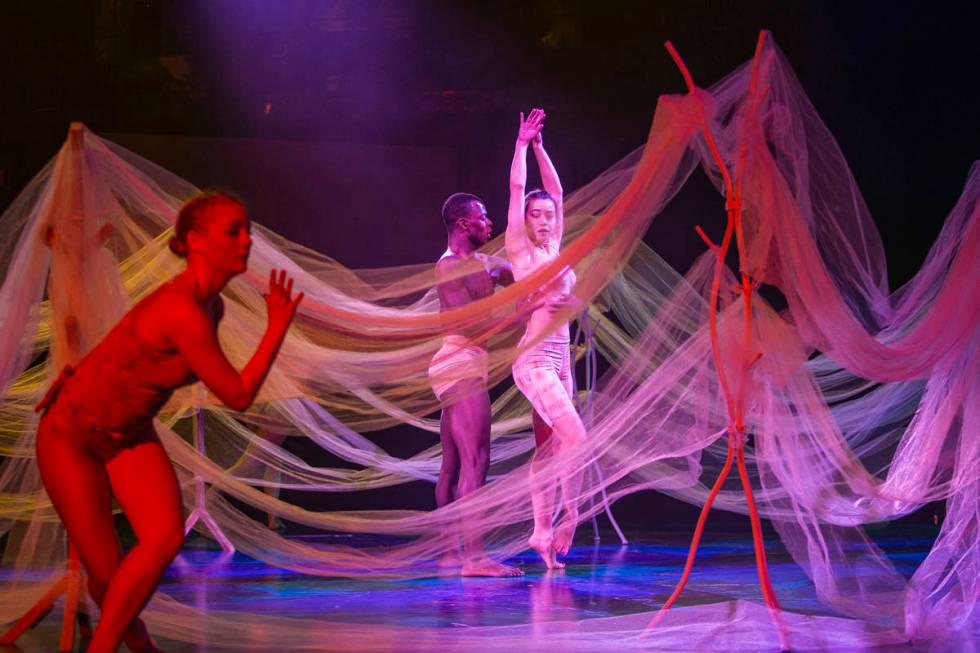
point(894, 81)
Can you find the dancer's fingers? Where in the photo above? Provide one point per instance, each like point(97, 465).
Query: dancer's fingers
point(272, 279)
point(289, 287)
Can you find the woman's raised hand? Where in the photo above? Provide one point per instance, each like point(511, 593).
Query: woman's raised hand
point(529, 129)
point(279, 301)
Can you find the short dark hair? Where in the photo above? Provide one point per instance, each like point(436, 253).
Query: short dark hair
point(456, 206)
point(192, 212)
point(537, 194)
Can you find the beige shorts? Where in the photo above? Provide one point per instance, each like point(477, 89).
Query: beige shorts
point(457, 360)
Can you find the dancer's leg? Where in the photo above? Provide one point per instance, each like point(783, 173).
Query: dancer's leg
point(449, 470)
point(76, 483)
point(545, 378)
point(136, 638)
point(448, 475)
point(543, 493)
point(270, 473)
point(570, 433)
point(533, 373)
point(470, 432)
point(143, 481)
point(249, 465)
point(542, 432)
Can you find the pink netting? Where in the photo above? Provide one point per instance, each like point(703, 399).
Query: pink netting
point(862, 407)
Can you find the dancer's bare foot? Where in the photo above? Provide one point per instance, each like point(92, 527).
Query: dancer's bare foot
point(450, 559)
point(488, 567)
point(151, 647)
point(543, 545)
point(138, 639)
point(564, 535)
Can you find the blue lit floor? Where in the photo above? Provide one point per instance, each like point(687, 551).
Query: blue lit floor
point(601, 580)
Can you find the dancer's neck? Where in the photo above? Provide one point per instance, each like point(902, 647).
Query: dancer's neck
point(204, 283)
point(461, 245)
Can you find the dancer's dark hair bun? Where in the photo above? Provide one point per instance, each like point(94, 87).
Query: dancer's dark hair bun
point(178, 246)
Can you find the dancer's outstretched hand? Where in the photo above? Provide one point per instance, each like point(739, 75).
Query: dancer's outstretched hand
point(529, 129)
point(279, 301)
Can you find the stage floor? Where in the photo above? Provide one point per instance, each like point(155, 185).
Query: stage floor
point(601, 580)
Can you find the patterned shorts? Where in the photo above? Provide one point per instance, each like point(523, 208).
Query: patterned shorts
point(544, 374)
point(457, 360)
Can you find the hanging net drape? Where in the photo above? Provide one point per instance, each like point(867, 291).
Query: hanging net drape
point(862, 408)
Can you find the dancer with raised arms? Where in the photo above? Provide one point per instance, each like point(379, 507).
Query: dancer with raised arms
point(543, 372)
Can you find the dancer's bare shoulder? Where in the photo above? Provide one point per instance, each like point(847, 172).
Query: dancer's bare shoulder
point(462, 280)
point(455, 265)
point(499, 269)
point(172, 306)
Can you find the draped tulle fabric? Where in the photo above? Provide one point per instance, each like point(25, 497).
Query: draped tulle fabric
point(862, 407)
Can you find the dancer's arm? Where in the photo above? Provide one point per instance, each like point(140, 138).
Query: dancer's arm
point(551, 183)
point(515, 238)
point(195, 337)
point(500, 270)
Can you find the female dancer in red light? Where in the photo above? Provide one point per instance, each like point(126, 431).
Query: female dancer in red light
point(96, 439)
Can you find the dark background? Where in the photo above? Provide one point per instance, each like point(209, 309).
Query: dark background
point(345, 123)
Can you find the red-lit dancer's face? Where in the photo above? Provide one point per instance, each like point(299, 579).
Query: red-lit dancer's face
point(540, 220)
point(223, 238)
point(478, 225)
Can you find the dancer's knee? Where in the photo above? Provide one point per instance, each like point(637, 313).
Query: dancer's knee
point(165, 542)
point(171, 542)
point(570, 430)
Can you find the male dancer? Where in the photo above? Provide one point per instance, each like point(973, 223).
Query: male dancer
point(459, 369)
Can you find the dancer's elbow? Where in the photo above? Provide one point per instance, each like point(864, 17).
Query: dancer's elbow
point(238, 405)
point(239, 401)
